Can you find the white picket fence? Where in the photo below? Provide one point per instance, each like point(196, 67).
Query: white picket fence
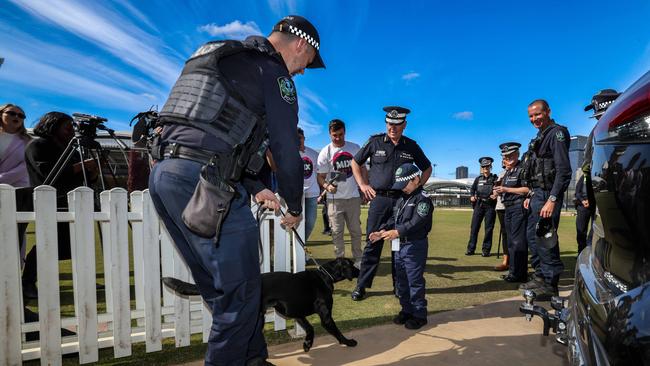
point(158, 312)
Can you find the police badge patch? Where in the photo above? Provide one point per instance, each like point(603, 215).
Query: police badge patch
point(423, 208)
point(287, 89)
point(559, 135)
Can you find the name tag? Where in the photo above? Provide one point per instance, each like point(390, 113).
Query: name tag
point(395, 245)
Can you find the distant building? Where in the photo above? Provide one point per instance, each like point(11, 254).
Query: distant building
point(461, 172)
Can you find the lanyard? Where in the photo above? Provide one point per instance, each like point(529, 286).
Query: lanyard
point(399, 210)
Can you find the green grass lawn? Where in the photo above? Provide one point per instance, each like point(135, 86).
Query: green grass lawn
point(453, 281)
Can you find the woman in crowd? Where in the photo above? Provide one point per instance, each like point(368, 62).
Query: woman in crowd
point(13, 140)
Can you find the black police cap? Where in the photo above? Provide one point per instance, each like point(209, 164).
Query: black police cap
point(301, 27)
point(485, 161)
point(396, 115)
point(404, 174)
point(509, 147)
point(601, 101)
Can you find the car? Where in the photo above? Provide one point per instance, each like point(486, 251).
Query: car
point(606, 319)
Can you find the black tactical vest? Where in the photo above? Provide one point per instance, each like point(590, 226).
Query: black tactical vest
point(485, 186)
point(202, 97)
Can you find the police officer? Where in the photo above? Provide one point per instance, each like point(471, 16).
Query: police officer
point(386, 151)
point(484, 207)
point(584, 197)
point(513, 190)
point(230, 99)
point(407, 229)
point(548, 172)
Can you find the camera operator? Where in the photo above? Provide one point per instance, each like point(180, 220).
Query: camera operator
point(54, 131)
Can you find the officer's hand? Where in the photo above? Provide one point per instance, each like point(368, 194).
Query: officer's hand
point(390, 234)
point(331, 188)
point(368, 192)
point(500, 189)
point(289, 221)
point(526, 203)
point(547, 210)
point(267, 199)
point(473, 199)
point(585, 203)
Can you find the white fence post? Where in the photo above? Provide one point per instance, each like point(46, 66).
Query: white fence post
point(115, 204)
point(137, 235)
point(10, 309)
point(181, 304)
point(82, 242)
point(152, 311)
point(47, 265)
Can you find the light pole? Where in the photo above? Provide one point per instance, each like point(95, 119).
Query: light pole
point(434, 169)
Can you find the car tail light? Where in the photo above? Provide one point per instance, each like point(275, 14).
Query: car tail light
point(628, 119)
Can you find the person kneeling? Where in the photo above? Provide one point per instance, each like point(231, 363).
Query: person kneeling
point(407, 230)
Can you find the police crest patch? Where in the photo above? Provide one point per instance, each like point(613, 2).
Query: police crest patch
point(287, 89)
point(559, 135)
point(423, 208)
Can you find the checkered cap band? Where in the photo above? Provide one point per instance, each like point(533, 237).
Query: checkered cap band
point(300, 33)
point(408, 177)
point(395, 120)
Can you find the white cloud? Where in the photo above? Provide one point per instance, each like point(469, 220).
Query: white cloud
point(464, 115)
point(283, 7)
point(108, 30)
point(232, 30)
point(310, 96)
point(410, 76)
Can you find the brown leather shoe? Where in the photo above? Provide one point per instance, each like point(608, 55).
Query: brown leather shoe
point(504, 265)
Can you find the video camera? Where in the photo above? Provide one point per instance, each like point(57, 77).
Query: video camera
point(86, 125)
point(144, 129)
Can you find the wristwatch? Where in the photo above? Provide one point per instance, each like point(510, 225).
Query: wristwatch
point(552, 198)
point(293, 213)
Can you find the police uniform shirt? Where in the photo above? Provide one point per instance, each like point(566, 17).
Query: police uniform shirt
point(581, 192)
point(412, 216)
point(513, 179)
point(385, 158)
point(309, 159)
point(555, 144)
point(264, 83)
point(482, 186)
point(334, 159)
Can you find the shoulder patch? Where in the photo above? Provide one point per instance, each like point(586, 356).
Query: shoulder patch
point(559, 135)
point(423, 208)
point(287, 89)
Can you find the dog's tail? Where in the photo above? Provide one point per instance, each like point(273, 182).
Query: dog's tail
point(181, 287)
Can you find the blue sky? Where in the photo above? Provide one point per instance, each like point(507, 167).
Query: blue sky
point(466, 69)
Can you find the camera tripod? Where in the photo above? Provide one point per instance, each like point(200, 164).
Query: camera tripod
point(87, 148)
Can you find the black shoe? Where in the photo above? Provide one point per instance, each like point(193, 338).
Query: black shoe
point(358, 294)
point(469, 253)
point(327, 232)
point(30, 291)
point(485, 254)
point(415, 323)
point(402, 318)
point(532, 284)
point(545, 292)
point(511, 278)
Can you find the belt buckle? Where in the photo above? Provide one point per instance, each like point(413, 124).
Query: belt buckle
point(174, 149)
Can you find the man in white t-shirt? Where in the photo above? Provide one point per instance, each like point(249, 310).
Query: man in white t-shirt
point(343, 200)
point(310, 187)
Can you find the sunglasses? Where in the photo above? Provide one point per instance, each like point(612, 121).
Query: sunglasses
point(14, 114)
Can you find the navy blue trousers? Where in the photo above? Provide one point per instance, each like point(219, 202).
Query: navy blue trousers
point(227, 274)
point(550, 265)
point(515, 226)
point(482, 210)
point(410, 261)
point(379, 212)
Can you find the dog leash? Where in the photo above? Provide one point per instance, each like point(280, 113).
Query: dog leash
point(300, 241)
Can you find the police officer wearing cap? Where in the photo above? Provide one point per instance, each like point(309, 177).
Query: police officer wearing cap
point(484, 207)
point(548, 173)
point(407, 231)
point(513, 190)
point(584, 197)
point(386, 152)
point(232, 101)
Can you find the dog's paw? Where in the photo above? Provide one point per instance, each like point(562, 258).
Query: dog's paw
point(306, 345)
point(350, 342)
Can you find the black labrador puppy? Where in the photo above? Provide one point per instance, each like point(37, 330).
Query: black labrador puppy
point(297, 295)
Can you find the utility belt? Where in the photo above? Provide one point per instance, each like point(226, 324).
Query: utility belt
point(176, 151)
point(407, 239)
point(388, 193)
point(518, 201)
